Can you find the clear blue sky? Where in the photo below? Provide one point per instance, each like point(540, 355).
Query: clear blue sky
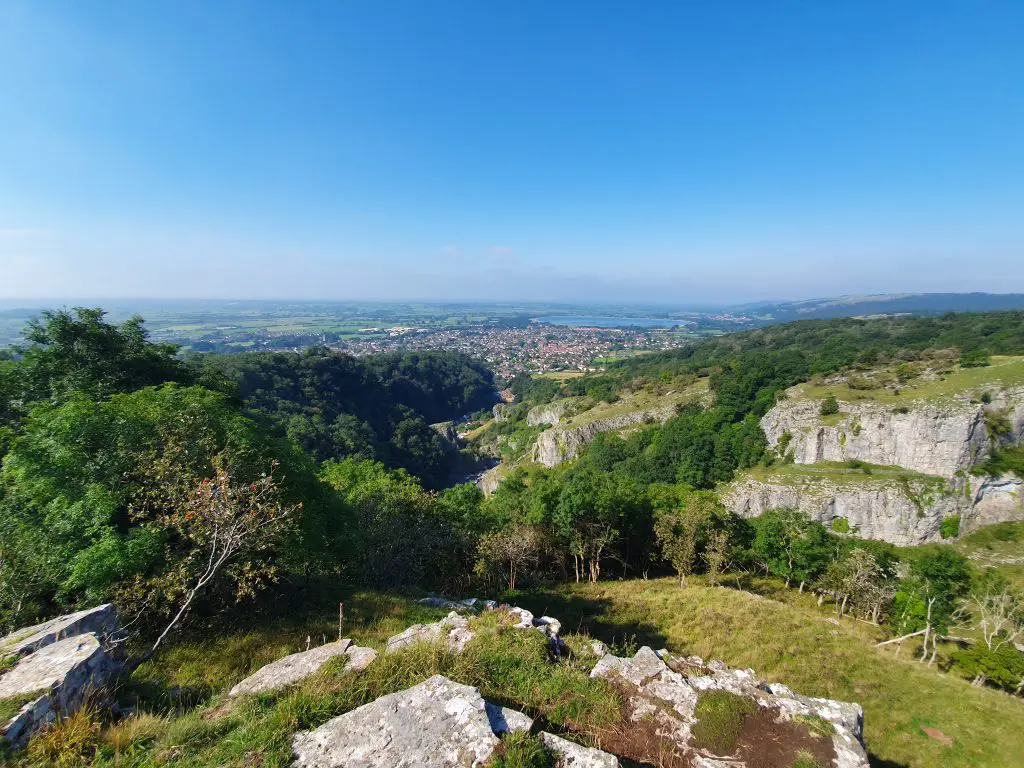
point(667, 151)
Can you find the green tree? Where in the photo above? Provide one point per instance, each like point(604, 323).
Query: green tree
point(829, 406)
point(791, 546)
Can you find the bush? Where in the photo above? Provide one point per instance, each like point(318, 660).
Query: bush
point(840, 525)
point(829, 406)
point(1002, 668)
point(974, 358)
point(950, 527)
point(720, 717)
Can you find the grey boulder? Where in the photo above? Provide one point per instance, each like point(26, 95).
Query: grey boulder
point(572, 755)
point(63, 673)
point(436, 724)
point(298, 666)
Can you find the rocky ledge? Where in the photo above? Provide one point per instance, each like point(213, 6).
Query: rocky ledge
point(902, 510)
point(60, 664)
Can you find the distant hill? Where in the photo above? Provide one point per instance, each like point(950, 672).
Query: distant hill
point(883, 304)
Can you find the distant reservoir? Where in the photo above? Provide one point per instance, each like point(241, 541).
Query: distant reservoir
point(585, 321)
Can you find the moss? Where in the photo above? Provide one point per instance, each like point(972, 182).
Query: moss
point(720, 718)
point(11, 706)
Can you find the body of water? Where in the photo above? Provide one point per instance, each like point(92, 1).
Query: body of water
point(608, 322)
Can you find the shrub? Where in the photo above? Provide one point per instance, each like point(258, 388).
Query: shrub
point(720, 717)
point(829, 406)
point(1002, 668)
point(949, 528)
point(840, 525)
point(974, 358)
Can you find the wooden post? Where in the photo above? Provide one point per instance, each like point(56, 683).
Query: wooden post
point(341, 619)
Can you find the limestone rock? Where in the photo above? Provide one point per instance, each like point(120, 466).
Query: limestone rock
point(902, 511)
point(560, 444)
point(932, 438)
point(550, 413)
point(101, 621)
point(505, 720)
point(454, 628)
point(668, 698)
point(572, 755)
point(436, 724)
point(64, 673)
point(298, 666)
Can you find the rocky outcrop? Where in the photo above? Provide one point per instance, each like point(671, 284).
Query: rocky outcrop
point(500, 411)
point(551, 413)
point(453, 629)
point(902, 510)
point(931, 438)
point(63, 674)
point(298, 666)
point(993, 500)
point(436, 724)
point(560, 444)
point(663, 692)
point(101, 621)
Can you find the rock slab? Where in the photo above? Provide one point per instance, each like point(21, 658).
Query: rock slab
point(572, 755)
point(436, 724)
point(64, 673)
point(101, 621)
point(298, 666)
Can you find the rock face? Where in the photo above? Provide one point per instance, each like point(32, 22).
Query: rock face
point(560, 444)
point(902, 511)
point(101, 621)
point(993, 500)
point(551, 413)
point(935, 439)
point(663, 692)
point(436, 724)
point(63, 673)
point(298, 666)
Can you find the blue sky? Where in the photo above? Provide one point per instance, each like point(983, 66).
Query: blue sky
point(661, 151)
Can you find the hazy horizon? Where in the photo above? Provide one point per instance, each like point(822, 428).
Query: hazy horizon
point(405, 151)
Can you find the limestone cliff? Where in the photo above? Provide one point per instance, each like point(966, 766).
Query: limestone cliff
point(560, 444)
point(900, 508)
point(936, 437)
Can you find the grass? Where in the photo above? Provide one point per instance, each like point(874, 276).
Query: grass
point(789, 642)
point(640, 401)
point(1003, 372)
point(1000, 547)
point(720, 716)
point(520, 750)
point(511, 667)
point(11, 706)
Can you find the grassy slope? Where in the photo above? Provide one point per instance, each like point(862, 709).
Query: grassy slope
point(998, 546)
point(792, 643)
point(1004, 371)
point(639, 401)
